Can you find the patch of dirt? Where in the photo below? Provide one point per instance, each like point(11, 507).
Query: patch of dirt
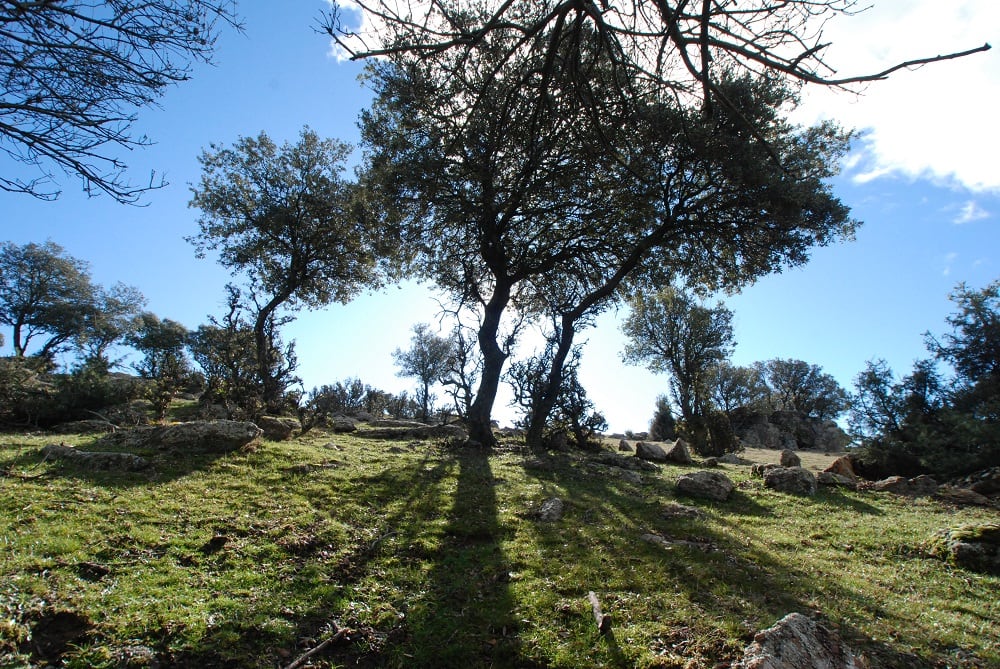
point(55, 631)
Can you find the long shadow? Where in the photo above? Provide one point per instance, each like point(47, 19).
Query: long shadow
point(709, 561)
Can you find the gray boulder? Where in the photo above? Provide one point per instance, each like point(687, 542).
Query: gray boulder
point(710, 485)
point(551, 510)
point(790, 458)
point(679, 453)
point(210, 436)
point(961, 496)
point(794, 480)
point(798, 642)
point(95, 460)
point(278, 428)
point(625, 462)
point(651, 452)
point(342, 424)
point(831, 480)
point(624, 446)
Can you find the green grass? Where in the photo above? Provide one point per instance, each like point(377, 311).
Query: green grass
point(432, 557)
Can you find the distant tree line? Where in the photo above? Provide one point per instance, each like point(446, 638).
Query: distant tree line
point(710, 399)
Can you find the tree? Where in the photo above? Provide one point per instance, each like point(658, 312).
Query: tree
point(75, 72)
point(523, 209)
point(671, 332)
point(928, 421)
point(285, 217)
point(225, 350)
point(663, 427)
point(662, 49)
point(164, 361)
point(794, 385)
point(427, 360)
point(734, 387)
point(111, 319)
point(45, 295)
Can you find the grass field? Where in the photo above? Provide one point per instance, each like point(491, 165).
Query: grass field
point(421, 555)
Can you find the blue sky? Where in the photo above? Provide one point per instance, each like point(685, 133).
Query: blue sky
point(923, 177)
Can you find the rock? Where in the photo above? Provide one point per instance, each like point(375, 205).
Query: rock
point(651, 452)
point(921, 486)
point(630, 476)
point(675, 510)
point(789, 458)
point(985, 482)
point(392, 422)
point(551, 510)
point(760, 470)
point(794, 480)
point(90, 426)
point(624, 446)
point(798, 642)
point(625, 462)
point(278, 428)
point(711, 462)
point(558, 441)
point(731, 459)
point(679, 453)
point(842, 467)
point(342, 424)
point(961, 496)
point(212, 436)
point(418, 431)
point(830, 479)
point(972, 547)
point(711, 485)
point(95, 460)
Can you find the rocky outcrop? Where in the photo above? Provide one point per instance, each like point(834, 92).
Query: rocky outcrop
point(921, 486)
point(625, 462)
point(417, 431)
point(213, 436)
point(798, 642)
point(789, 429)
point(679, 453)
point(831, 480)
point(710, 485)
point(794, 480)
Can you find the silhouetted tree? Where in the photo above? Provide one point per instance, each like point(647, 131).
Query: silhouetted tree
point(427, 360)
point(74, 73)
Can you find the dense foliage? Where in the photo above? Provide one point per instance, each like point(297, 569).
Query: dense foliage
point(943, 421)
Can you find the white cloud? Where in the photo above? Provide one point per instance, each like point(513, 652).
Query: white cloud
point(949, 260)
point(971, 212)
point(937, 121)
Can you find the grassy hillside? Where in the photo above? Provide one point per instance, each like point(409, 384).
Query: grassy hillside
point(420, 555)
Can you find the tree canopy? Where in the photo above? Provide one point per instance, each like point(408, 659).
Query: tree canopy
point(45, 295)
point(534, 210)
point(286, 219)
point(75, 72)
point(427, 360)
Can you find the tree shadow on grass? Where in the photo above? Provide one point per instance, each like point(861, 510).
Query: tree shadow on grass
point(708, 564)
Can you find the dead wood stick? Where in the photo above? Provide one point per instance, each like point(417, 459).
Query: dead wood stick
point(304, 657)
point(603, 621)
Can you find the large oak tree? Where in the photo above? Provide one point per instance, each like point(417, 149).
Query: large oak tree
point(529, 209)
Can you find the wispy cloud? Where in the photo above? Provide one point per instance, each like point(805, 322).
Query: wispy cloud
point(949, 260)
point(971, 212)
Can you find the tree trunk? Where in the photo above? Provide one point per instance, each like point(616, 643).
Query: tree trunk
point(271, 392)
point(541, 412)
point(480, 413)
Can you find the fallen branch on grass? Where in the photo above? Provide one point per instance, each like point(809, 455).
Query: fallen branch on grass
point(603, 621)
point(301, 660)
